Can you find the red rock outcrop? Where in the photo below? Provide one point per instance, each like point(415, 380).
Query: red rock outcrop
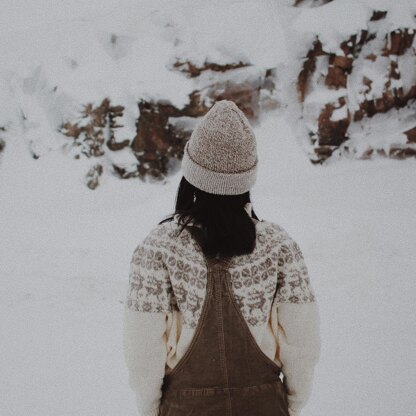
point(90, 131)
point(161, 128)
point(329, 133)
point(93, 175)
point(192, 70)
point(159, 139)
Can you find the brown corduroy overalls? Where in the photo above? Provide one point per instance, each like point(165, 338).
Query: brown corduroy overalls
point(223, 372)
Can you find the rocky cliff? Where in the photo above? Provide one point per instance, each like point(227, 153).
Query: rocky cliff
point(345, 73)
point(358, 82)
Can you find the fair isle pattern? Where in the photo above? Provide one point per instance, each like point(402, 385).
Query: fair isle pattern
point(168, 272)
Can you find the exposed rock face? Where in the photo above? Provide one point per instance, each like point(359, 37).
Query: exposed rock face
point(93, 136)
point(411, 135)
point(342, 84)
point(93, 175)
point(2, 142)
point(406, 150)
point(309, 68)
point(192, 70)
point(95, 128)
point(332, 131)
point(353, 96)
point(163, 129)
point(155, 142)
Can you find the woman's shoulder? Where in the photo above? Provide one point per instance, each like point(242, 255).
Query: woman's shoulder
point(275, 231)
point(160, 233)
point(167, 236)
point(293, 274)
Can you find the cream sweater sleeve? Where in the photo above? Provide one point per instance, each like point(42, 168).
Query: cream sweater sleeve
point(298, 325)
point(148, 303)
point(145, 356)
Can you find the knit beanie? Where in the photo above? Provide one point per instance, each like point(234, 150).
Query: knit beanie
point(221, 155)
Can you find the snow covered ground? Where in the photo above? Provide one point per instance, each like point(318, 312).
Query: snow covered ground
point(65, 250)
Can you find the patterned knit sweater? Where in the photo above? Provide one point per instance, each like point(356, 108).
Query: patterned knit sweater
point(166, 291)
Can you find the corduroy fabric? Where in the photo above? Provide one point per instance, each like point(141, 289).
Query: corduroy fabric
point(221, 155)
point(224, 371)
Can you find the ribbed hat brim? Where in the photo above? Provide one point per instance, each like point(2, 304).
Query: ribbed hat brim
point(219, 183)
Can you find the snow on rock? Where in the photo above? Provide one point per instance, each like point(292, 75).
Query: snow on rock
point(127, 52)
point(188, 57)
point(381, 134)
point(337, 20)
point(228, 32)
point(333, 23)
point(357, 66)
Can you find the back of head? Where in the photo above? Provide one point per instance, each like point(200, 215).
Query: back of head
point(219, 168)
point(221, 155)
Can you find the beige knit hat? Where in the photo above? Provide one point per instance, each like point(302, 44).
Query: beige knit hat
point(221, 155)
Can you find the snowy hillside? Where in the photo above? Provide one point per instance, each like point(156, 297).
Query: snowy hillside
point(57, 59)
point(119, 86)
point(357, 71)
point(65, 250)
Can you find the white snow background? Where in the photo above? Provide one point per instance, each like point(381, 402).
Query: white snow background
point(65, 250)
